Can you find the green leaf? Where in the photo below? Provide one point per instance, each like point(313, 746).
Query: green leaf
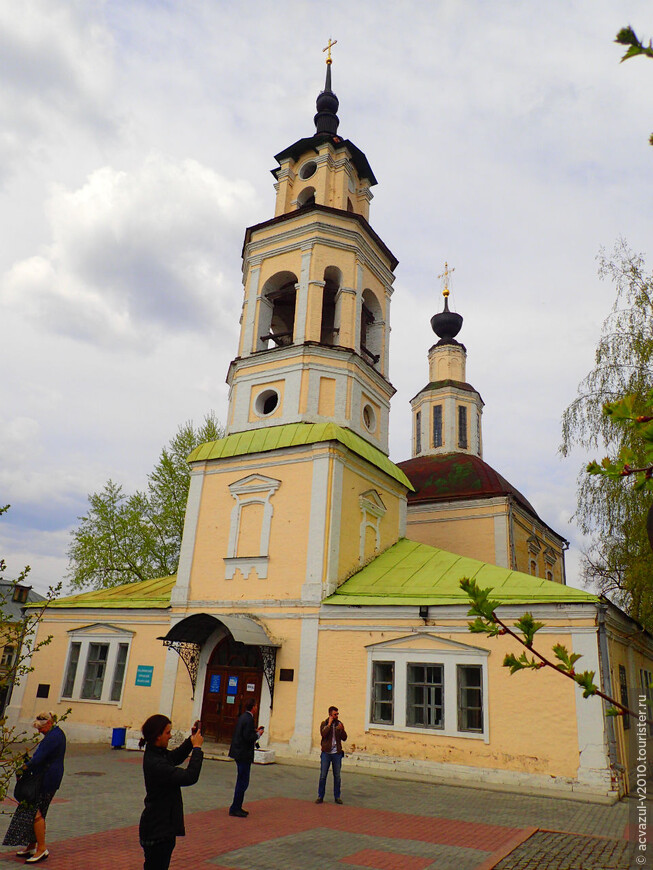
point(528, 626)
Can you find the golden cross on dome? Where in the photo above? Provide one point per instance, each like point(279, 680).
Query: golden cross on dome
point(445, 277)
point(328, 48)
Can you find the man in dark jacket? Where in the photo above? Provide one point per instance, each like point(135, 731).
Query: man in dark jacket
point(241, 750)
point(332, 736)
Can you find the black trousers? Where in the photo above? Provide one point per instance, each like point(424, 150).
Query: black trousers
point(158, 854)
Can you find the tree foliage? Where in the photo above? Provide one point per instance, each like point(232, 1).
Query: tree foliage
point(486, 621)
point(618, 559)
point(19, 636)
point(128, 537)
point(636, 47)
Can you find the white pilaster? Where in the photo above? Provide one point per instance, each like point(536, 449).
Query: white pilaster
point(249, 342)
point(593, 758)
point(312, 588)
point(179, 595)
point(301, 740)
point(301, 309)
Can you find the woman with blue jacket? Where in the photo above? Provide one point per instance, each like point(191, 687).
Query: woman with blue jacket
point(28, 822)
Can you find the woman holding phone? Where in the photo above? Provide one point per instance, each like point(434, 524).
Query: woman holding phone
point(162, 820)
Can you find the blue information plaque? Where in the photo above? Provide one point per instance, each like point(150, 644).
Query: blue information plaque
point(232, 686)
point(144, 675)
point(214, 685)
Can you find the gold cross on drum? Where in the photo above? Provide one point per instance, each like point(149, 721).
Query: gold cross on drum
point(445, 276)
point(328, 48)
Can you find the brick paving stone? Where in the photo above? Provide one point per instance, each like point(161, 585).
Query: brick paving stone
point(386, 860)
point(93, 822)
point(551, 850)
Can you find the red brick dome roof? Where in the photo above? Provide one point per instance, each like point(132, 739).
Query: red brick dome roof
point(454, 476)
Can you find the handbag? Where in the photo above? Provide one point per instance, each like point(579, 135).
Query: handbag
point(28, 787)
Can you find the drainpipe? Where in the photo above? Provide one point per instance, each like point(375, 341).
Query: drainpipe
point(604, 664)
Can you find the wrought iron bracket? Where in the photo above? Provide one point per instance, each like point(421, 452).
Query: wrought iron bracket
point(189, 653)
point(269, 656)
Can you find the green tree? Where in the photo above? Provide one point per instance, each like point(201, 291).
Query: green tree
point(128, 537)
point(618, 559)
point(19, 645)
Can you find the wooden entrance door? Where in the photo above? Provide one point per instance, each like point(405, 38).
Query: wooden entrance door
point(234, 674)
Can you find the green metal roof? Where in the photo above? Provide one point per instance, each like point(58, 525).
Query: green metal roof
point(294, 435)
point(412, 573)
point(144, 594)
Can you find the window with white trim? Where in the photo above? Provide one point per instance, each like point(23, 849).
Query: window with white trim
point(96, 664)
point(440, 687)
point(383, 693)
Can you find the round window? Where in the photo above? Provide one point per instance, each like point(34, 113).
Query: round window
point(308, 169)
point(266, 402)
point(369, 418)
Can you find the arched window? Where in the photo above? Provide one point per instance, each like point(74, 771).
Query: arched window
point(306, 197)
point(329, 327)
point(277, 311)
point(371, 328)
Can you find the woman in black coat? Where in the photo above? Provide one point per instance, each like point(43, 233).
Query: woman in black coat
point(162, 820)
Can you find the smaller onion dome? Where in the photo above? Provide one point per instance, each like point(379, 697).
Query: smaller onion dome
point(326, 119)
point(447, 324)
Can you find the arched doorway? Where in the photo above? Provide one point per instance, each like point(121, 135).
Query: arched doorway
point(233, 673)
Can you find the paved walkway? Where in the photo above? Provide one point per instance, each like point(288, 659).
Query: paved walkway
point(385, 823)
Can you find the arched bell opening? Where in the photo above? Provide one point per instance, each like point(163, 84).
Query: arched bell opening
point(276, 322)
point(306, 197)
point(371, 328)
point(330, 323)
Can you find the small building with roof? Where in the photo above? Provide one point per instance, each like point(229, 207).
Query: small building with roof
point(315, 571)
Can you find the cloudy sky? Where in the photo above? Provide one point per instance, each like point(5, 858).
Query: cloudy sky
point(135, 147)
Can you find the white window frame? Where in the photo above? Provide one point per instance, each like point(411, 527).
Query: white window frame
point(434, 651)
point(102, 633)
point(253, 489)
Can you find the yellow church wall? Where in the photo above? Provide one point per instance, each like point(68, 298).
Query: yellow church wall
point(524, 527)
point(288, 532)
point(50, 668)
point(326, 404)
point(628, 650)
point(458, 528)
point(279, 386)
point(541, 702)
point(355, 482)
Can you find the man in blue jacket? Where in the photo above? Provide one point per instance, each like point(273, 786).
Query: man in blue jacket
point(241, 750)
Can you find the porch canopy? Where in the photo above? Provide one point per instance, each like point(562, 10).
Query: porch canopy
point(198, 628)
point(188, 636)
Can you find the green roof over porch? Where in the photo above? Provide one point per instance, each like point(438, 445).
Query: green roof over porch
point(142, 594)
point(413, 573)
point(295, 435)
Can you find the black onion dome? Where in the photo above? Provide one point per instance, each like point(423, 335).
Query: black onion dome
point(326, 119)
point(447, 324)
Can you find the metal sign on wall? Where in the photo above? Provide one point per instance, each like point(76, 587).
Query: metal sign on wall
point(144, 675)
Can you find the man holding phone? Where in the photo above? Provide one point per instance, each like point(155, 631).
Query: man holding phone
point(332, 736)
point(241, 750)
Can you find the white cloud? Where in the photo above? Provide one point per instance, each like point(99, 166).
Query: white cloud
point(56, 66)
point(137, 255)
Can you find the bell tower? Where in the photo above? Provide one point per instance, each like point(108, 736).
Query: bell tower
point(314, 339)
point(447, 412)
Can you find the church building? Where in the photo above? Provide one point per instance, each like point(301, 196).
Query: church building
point(316, 571)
